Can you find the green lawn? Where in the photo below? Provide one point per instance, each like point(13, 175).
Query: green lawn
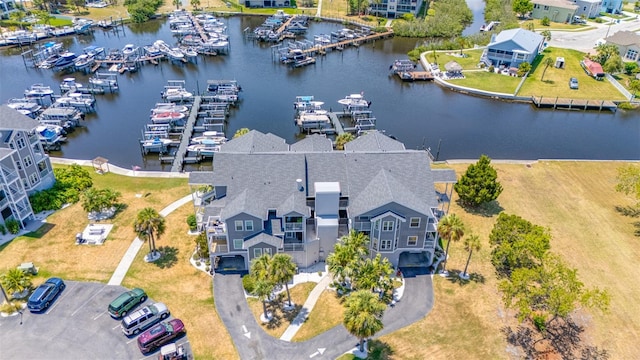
point(556, 81)
point(468, 63)
point(537, 25)
point(484, 80)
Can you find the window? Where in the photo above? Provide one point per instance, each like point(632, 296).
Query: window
point(237, 244)
point(18, 164)
point(631, 54)
point(412, 240)
point(546, 7)
point(414, 222)
point(385, 245)
point(28, 161)
point(20, 143)
point(387, 226)
point(42, 165)
point(257, 252)
point(267, 251)
point(33, 178)
point(239, 225)
point(248, 225)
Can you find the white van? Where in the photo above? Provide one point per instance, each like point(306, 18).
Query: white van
point(144, 318)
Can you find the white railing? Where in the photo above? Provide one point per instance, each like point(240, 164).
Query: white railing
point(293, 247)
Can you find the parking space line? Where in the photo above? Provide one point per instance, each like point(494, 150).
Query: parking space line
point(130, 341)
point(60, 297)
point(98, 316)
point(115, 327)
point(86, 301)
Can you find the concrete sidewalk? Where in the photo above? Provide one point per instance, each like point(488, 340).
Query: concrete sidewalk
point(306, 309)
point(122, 171)
point(130, 255)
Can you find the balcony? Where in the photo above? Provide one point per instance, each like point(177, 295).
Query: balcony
point(215, 226)
point(293, 226)
point(219, 247)
point(294, 247)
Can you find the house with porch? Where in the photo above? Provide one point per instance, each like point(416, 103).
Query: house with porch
point(265, 196)
point(6, 8)
point(24, 166)
point(512, 47)
point(588, 8)
point(628, 43)
point(561, 11)
point(393, 9)
point(612, 6)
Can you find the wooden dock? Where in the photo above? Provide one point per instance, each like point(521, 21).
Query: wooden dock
point(337, 125)
point(179, 157)
point(350, 42)
point(415, 75)
point(574, 104)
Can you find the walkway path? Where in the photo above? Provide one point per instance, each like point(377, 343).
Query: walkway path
point(306, 309)
point(130, 255)
point(122, 171)
point(319, 11)
point(253, 343)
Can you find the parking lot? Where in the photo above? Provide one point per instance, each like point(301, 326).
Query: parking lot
point(77, 325)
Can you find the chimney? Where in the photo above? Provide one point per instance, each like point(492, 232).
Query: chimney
point(299, 184)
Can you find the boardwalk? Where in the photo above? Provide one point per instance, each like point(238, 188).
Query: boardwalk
point(178, 160)
point(574, 104)
point(337, 125)
point(342, 44)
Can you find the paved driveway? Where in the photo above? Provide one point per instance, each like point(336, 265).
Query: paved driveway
point(253, 343)
point(76, 326)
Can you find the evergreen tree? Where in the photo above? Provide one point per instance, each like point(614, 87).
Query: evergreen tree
point(479, 184)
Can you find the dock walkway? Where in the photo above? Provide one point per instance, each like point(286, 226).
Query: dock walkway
point(343, 43)
point(187, 133)
point(337, 125)
point(574, 104)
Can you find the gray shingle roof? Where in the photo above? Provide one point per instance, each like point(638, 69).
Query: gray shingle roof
point(14, 120)
point(444, 176)
point(564, 4)
point(257, 182)
point(255, 142)
point(524, 39)
point(624, 38)
point(315, 142)
point(4, 152)
point(263, 238)
point(374, 141)
point(201, 178)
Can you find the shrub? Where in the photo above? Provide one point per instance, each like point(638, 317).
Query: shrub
point(10, 307)
point(491, 68)
point(545, 21)
point(192, 222)
point(202, 247)
point(3, 229)
point(12, 225)
point(249, 283)
point(540, 322)
point(207, 268)
point(198, 263)
point(627, 106)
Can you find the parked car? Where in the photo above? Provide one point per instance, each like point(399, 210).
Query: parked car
point(126, 301)
point(579, 20)
point(160, 334)
point(45, 294)
point(144, 318)
point(573, 83)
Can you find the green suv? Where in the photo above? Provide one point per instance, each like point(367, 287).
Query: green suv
point(127, 301)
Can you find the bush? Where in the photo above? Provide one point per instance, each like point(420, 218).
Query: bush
point(540, 322)
point(202, 247)
point(3, 229)
point(545, 21)
point(12, 225)
point(627, 106)
point(249, 283)
point(10, 307)
point(70, 182)
point(492, 69)
point(192, 222)
point(198, 263)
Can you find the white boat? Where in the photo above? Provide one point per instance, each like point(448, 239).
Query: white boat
point(176, 94)
point(304, 103)
point(204, 149)
point(152, 50)
point(104, 82)
point(78, 100)
point(38, 90)
point(93, 51)
point(65, 60)
point(175, 54)
point(167, 117)
point(210, 137)
point(50, 134)
point(168, 107)
point(156, 144)
point(49, 61)
point(129, 50)
point(69, 84)
point(25, 106)
point(84, 61)
point(355, 100)
point(313, 119)
point(189, 52)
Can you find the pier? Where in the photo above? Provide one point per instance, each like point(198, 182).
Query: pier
point(415, 75)
point(179, 157)
point(350, 42)
point(337, 125)
point(574, 104)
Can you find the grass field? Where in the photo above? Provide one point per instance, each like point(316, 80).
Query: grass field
point(330, 315)
point(537, 25)
point(556, 81)
point(487, 81)
point(468, 63)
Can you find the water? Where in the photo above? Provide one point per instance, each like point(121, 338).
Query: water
point(419, 114)
point(477, 8)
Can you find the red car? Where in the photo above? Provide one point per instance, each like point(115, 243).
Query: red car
point(160, 334)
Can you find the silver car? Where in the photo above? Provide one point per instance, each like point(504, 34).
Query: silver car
point(144, 318)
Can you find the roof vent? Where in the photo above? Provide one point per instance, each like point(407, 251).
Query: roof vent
point(299, 184)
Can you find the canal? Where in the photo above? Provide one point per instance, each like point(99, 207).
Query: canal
point(421, 115)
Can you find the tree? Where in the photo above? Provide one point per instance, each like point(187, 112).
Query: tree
point(634, 86)
point(177, 3)
point(195, 4)
point(524, 68)
point(260, 267)
point(346, 254)
point(546, 62)
point(546, 34)
point(522, 7)
point(17, 16)
point(343, 139)
point(149, 225)
point(202, 246)
point(263, 289)
point(517, 243)
point(471, 244)
point(479, 184)
point(15, 280)
point(631, 68)
point(94, 201)
point(613, 64)
point(629, 181)
point(44, 16)
point(545, 21)
point(370, 274)
point(282, 270)
point(604, 52)
point(363, 315)
point(450, 228)
point(552, 290)
point(240, 132)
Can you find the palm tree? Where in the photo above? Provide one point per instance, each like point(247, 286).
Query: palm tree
point(363, 315)
point(177, 3)
point(149, 225)
point(16, 281)
point(282, 270)
point(261, 266)
point(5, 299)
point(343, 139)
point(195, 4)
point(372, 273)
point(471, 244)
point(546, 62)
point(451, 229)
point(263, 290)
point(240, 132)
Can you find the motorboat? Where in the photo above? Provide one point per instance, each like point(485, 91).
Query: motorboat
point(25, 106)
point(176, 94)
point(38, 90)
point(51, 47)
point(169, 107)
point(175, 54)
point(156, 144)
point(152, 50)
point(167, 117)
point(206, 150)
point(65, 60)
point(104, 82)
point(66, 117)
point(93, 51)
point(129, 50)
point(84, 61)
point(189, 52)
point(78, 100)
point(49, 62)
point(304, 103)
point(355, 100)
point(69, 84)
point(209, 137)
point(50, 134)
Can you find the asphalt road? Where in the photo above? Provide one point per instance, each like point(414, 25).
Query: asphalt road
point(586, 40)
point(75, 326)
point(254, 344)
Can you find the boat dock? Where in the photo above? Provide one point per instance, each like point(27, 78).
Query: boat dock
point(179, 157)
point(415, 75)
point(574, 104)
point(320, 49)
point(337, 125)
